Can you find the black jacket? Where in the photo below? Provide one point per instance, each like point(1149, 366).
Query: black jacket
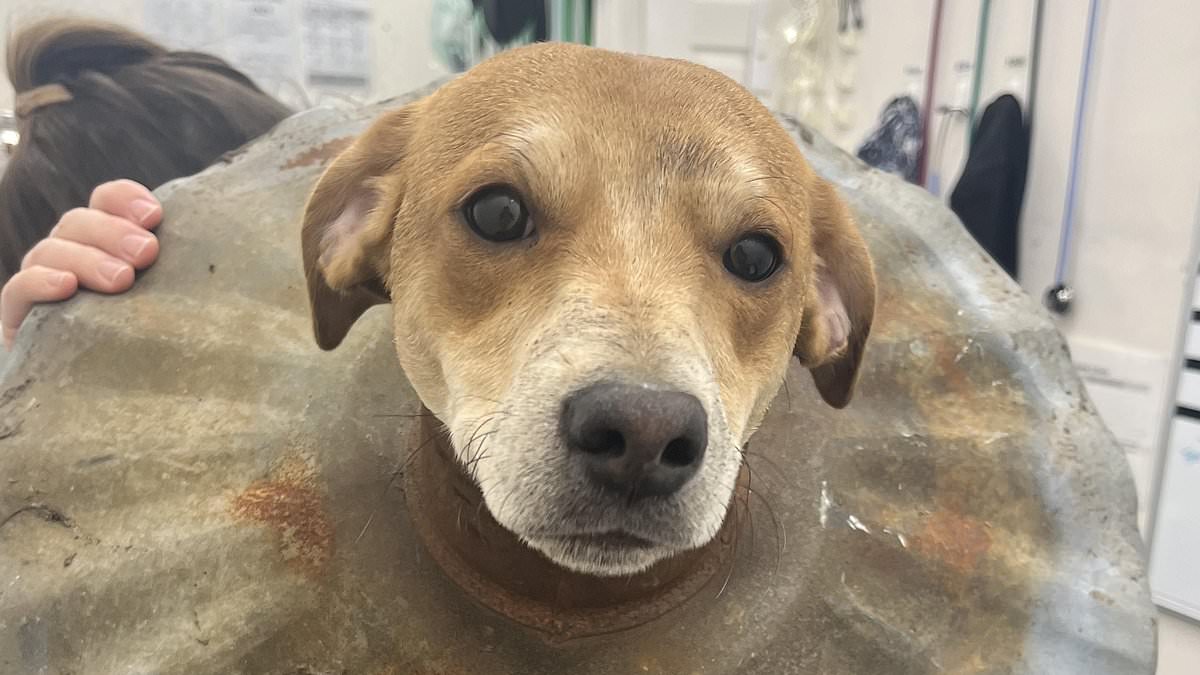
point(989, 194)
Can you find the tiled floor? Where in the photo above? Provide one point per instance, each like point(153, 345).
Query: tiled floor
point(1178, 645)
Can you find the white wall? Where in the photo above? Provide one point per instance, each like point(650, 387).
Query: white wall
point(1141, 171)
point(402, 58)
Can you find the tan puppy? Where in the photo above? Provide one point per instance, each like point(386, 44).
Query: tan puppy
point(599, 266)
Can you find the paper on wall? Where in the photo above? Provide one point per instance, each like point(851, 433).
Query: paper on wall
point(261, 38)
point(337, 46)
point(185, 24)
point(263, 41)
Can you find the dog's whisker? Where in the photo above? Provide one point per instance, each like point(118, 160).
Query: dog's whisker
point(780, 533)
point(742, 514)
point(478, 436)
point(396, 472)
point(732, 560)
point(750, 457)
point(412, 455)
point(466, 449)
point(745, 499)
point(364, 527)
point(503, 503)
point(473, 467)
point(479, 508)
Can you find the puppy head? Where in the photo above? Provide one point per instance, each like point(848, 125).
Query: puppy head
point(599, 266)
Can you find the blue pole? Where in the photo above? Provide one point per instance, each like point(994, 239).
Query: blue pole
point(1068, 221)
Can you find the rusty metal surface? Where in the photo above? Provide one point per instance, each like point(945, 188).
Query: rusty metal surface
point(187, 485)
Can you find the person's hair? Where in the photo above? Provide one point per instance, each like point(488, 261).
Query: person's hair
point(96, 102)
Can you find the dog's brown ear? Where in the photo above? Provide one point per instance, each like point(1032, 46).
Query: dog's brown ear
point(345, 239)
point(841, 302)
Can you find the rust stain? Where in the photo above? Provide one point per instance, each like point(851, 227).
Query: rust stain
point(898, 314)
point(954, 539)
point(962, 397)
point(320, 154)
point(947, 356)
point(290, 503)
point(1102, 597)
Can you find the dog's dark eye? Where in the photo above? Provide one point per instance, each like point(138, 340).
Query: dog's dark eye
point(754, 257)
point(498, 214)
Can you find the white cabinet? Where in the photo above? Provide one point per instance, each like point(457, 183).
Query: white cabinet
point(1175, 554)
point(1175, 543)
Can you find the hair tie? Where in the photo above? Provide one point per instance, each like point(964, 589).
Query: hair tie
point(40, 97)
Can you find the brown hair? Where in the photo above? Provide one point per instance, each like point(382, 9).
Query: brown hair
point(97, 102)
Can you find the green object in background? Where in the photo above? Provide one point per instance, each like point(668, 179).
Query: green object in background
point(461, 38)
point(985, 11)
point(455, 34)
point(587, 21)
point(570, 20)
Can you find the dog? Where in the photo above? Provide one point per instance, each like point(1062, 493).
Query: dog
point(602, 263)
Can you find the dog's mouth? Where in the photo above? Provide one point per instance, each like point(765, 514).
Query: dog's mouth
point(614, 539)
point(608, 553)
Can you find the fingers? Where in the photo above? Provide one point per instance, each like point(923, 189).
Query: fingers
point(28, 287)
point(127, 199)
point(98, 247)
point(115, 236)
point(92, 267)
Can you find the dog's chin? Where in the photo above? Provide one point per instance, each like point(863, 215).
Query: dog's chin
point(602, 555)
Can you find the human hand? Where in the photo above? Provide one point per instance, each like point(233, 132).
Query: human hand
point(98, 248)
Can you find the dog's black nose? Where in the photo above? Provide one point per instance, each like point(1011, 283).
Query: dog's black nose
point(634, 440)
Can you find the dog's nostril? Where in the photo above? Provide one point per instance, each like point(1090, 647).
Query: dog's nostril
point(604, 442)
point(679, 452)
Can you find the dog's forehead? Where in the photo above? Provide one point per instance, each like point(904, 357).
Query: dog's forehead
point(651, 147)
point(570, 98)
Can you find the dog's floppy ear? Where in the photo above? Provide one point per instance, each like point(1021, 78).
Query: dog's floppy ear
point(841, 302)
point(345, 240)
